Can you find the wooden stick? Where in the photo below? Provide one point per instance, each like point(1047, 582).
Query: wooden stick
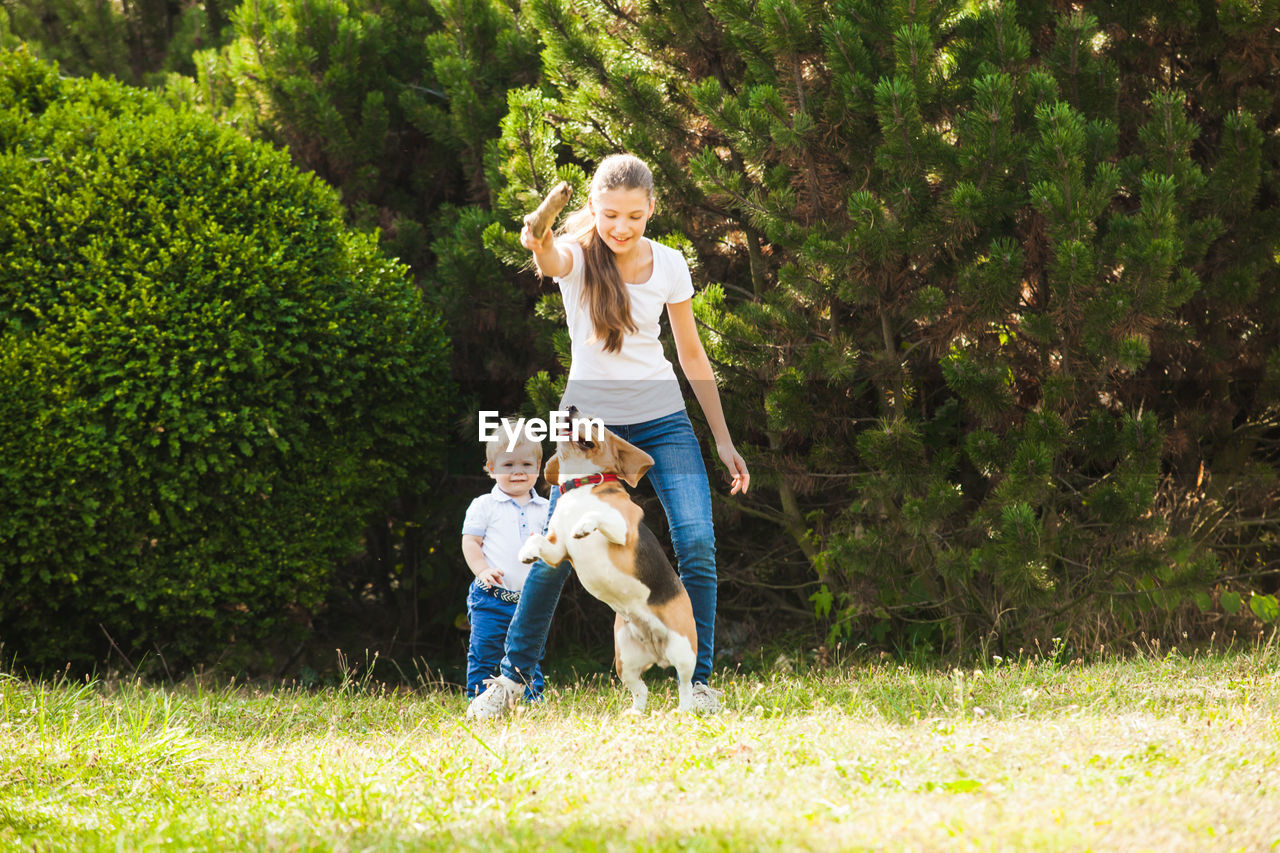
point(545, 216)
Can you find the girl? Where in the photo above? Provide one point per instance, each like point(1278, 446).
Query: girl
point(615, 283)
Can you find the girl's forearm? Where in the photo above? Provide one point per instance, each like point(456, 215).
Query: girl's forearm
point(552, 261)
point(702, 380)
point(697, 369)
point(709, 400)
point(545, 261)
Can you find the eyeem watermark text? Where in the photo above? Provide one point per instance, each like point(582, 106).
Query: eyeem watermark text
point(558, 427)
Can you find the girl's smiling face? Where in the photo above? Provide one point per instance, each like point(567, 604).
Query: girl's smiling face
point(621, 215)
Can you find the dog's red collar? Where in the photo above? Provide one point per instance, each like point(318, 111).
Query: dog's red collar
point(588, 481)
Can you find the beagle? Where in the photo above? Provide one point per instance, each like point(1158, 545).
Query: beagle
point(598, 528)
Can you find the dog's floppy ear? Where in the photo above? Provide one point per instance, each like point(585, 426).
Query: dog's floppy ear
point(552, 470)
point(632, 461)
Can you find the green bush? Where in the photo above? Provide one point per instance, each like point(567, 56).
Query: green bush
point(209, 384)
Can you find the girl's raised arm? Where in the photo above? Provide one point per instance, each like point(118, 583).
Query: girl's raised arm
point(552, 260)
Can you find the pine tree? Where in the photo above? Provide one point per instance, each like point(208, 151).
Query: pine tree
point(396, 104)
point(953, 254)
point(137, 41)
point(82, 37)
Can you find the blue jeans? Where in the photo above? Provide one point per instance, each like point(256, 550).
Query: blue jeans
point(490, 619)
point(680, 479)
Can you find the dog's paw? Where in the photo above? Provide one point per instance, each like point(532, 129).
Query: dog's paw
point(530, 551)
point(585, 528)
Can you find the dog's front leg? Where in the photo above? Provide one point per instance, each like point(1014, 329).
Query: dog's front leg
point(609, 522)
point(539, 547)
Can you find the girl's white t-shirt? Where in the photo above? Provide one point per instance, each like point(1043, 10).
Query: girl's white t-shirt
point(637, 383)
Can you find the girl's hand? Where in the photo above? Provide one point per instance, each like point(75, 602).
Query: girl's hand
point(533, 244)
point(737, 468)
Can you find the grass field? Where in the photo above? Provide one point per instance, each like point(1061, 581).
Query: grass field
point(1153, 752)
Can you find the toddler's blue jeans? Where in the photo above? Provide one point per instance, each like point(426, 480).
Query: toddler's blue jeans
point(490, 619)
point(680, 479)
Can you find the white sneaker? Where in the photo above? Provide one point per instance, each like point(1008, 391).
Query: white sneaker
point(500, 697)
point(706, 700)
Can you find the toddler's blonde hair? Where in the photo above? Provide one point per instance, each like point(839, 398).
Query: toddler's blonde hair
point(498, 444)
